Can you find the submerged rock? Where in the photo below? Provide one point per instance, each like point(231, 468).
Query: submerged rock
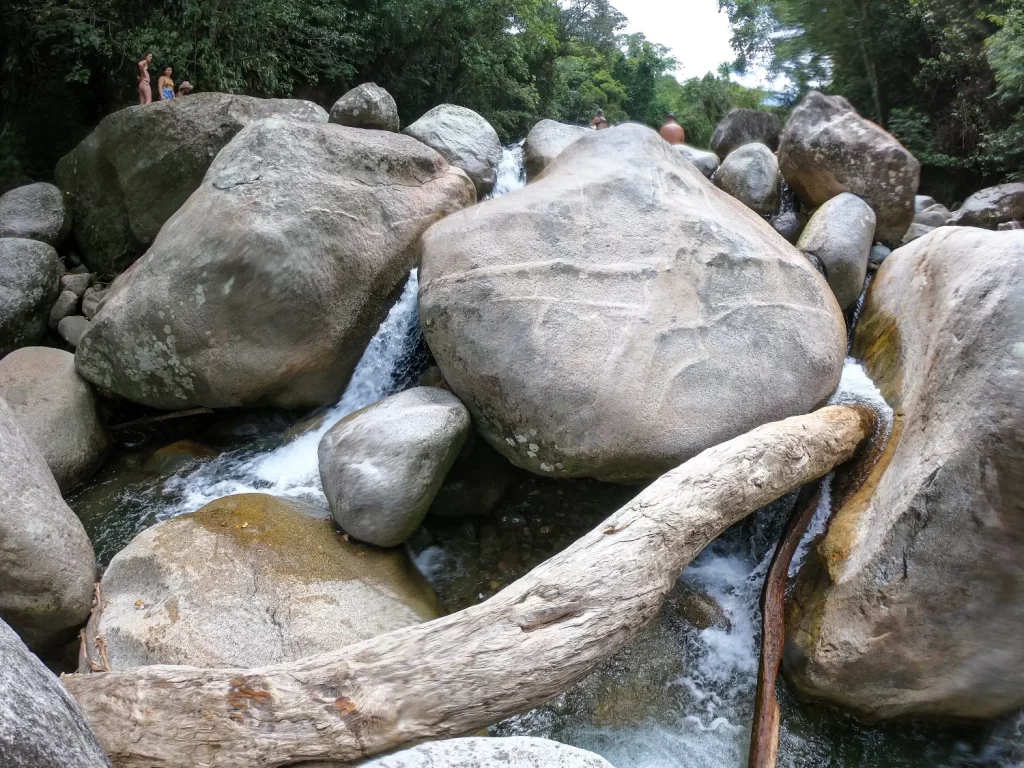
point(745, 126)
point(706, 162)
point(840, 234)
point(29, 285)
point(827, 149)
point(35, 212)
point(991, 207)
point(141, 164)
point(366, 106)
point(545, 142)
point(266, 286)
point(382, 466)
point(751, 175)
point(477, 752)
point(463, 138)
point(47, 566)
point(41, 726)
point(57, 410)
point(250, 580)
point(621, 314)
point(476, 483)
point(912, 604)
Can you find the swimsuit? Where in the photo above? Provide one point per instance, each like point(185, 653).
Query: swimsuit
point(167, 92)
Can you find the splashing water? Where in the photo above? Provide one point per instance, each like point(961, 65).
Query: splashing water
point(511, 171)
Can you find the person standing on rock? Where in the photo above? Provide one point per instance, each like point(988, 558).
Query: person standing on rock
point(599, 122)
point(671, 131)
point(165, 85)
point(145, 90)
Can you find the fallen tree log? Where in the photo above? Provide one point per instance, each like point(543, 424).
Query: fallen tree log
point(459, 673)
point(764, 733)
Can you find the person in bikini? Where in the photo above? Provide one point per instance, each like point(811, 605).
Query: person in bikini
point(165, 85)
point(599, 122)
point(145, 90)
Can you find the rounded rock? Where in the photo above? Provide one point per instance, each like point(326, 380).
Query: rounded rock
point(751, 175)
point(382, 466)
point(29, 285)
point(35, 212)
point(840, 234)
point(546, 141)
point(366, 106)
point(477, 752)
point(57, 409)
point(463, 138)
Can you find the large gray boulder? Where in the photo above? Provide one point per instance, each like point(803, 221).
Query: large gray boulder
point(545, 142)
point(479, 752)
point(751, 175)
point(266, 286)
point(991, 207)
point(141, 164)
point(621, 314)
point(827, 149)
point(366, 106)
point(47, 566)
point(36, 212)
point(912, 604)
point(463, 138)
point(57, 410)
point(29, 285)
point(840, 234)
point(250, 580)
point(41, 726)
point(745, 126)
point(706, 162)
point(382, 466)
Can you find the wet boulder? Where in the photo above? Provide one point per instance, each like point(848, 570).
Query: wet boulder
point(249, 580)
point(790, 225)
point(745, 126)
point(57, 409)
point(141, 164)
point(991, 207)
point(706, 162)
point(366, 106)
point(463, 138)
point(912, 604)
point(840, 234)
point(545, 142)
point(41, 726)
point(266, 286)
point(29, 285)
point(47, 566)
point(478, 752)
point(383, 465)
point(621, 314)
point(751, 175)
point(827, 149)
point(35, 212)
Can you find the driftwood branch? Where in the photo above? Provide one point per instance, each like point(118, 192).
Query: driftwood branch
point(461, 672)
point(764, 736)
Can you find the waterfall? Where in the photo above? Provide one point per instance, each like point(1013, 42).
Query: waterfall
point(388, 365)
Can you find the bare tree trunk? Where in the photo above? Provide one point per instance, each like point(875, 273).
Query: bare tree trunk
point(461, 672)
point(764, 736)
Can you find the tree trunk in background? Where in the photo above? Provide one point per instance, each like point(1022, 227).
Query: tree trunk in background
point(456, 674)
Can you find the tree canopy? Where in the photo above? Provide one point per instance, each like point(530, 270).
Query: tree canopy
point(945, 76)
point(67, 63)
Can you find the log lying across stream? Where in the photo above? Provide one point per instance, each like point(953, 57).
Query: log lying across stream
point(462, 672)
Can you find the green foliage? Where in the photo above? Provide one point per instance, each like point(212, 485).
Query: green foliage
point(67, 63)
point(945, 76)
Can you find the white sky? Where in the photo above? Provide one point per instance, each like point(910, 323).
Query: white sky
point(695, 30)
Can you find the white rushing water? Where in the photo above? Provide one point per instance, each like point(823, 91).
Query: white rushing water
point(292, 469)
point(716, 690)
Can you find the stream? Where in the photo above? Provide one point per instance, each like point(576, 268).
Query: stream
point(680, 694)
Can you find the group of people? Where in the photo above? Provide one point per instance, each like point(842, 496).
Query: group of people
point(164, 85)
point(671, 131)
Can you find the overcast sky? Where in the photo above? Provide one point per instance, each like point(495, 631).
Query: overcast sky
point(694, 29)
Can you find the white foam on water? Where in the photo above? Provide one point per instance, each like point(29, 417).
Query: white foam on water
point(511, 171)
